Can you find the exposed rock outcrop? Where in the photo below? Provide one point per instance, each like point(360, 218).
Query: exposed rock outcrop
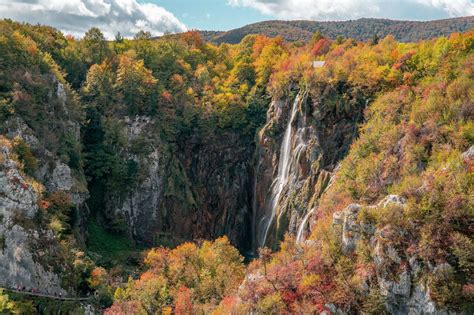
point(402, 294)
point(206, 184)
point(351, 230)
point(219, 172)
point(468, 157)
point(140, 207)
point(48, 130)
point(19, 238)
point(52, 172)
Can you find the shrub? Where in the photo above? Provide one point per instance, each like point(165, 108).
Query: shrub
point(25, 155)
point(70, 151)
point(6, 109)
point(445, 289)
point(7, 306)
point(2, 242)
point(104, 297)
point(187, 275)
point(271, 304)
point(62, 211)
point(374, 303)
point(463, 249)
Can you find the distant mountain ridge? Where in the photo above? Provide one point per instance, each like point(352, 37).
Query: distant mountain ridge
point(361, 29)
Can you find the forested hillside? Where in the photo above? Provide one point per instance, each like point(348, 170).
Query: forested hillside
point(173, 175)
point(361, 29)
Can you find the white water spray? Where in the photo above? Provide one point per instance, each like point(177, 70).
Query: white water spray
point(301, 229)
point(284, 165)
point(299, 235)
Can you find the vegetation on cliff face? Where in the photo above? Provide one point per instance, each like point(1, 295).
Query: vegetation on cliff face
point(8, 306)
point(38, 228)
point(201, 106)
point(412, 144)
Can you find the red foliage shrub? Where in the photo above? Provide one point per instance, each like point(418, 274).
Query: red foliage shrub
point(183, 303)
point(321, 47)
point(167, 96)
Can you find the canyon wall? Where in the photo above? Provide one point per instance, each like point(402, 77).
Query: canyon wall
point(196, 189)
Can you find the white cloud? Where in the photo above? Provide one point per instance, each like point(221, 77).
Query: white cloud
point(312, 9)
point(77, 16)
point(452, 7)
point(347, 9)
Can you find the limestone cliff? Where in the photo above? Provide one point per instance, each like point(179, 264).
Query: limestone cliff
point(197, 189)
point(40, 157)
point(218, 170)
point(26, 248)
point(138, 209)
point(207, 185)
point(396, 273)
point(52, 170)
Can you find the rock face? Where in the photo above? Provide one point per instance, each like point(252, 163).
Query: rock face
point(20, 263)
point(351, 229)
point(469, 154)
point(207, 185)
point(468, 157)
point(140, 208)
point(218, 169)
point(198, 190)
point(54, 173)
point(403, 295)
point(30, 253)
point(317, 126)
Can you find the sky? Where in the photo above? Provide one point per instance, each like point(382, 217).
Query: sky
point(159, 16)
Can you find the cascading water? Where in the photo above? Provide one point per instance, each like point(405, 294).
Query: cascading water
point(284, 166)
point(299, 235)
point(294, 165)
point(301, 229)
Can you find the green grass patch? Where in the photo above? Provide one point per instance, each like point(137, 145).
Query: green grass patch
point(111, 248)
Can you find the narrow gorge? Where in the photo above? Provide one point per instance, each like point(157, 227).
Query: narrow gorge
point(304, 137)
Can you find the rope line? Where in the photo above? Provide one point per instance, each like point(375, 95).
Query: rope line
point(55, 297)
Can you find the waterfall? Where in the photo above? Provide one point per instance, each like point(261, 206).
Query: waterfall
point(301, 228)
point(299, 235)
point(284, 166)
